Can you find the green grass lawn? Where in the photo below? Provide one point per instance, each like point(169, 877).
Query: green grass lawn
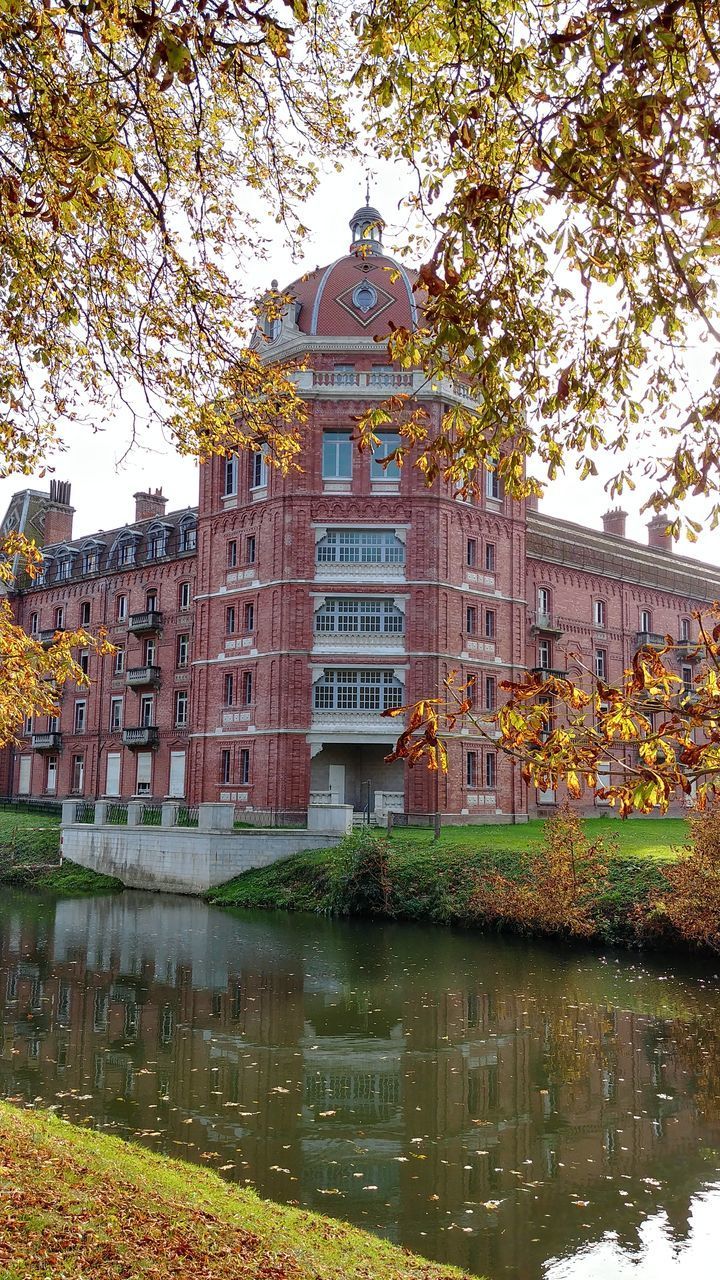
point(81, 1205)
point(634, 837)
point(30, 857)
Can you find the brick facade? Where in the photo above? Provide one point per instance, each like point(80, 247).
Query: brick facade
point(292, 609)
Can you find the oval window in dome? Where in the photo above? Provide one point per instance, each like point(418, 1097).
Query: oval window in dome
point(364, 297)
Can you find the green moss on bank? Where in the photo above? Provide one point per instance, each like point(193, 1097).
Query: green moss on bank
point(436, 882)
point(82, 1204)
point(30, 857)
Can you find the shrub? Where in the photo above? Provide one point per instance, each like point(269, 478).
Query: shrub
point(691, 903)
point(361, 879)
point(563, 881)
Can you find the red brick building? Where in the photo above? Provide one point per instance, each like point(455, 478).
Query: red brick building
point(264, 633)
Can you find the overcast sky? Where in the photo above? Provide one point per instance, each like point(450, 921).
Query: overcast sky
point(102, 485)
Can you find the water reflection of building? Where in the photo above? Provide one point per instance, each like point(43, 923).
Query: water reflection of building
point(404, 1100)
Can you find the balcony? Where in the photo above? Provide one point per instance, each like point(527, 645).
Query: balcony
point(46, 638)
point(47, 741)
point(688, 651)
point(143, 677)
point(546, 673)
point(650, 640)
point(544, 625)
point(144, 736)
point(140, 623)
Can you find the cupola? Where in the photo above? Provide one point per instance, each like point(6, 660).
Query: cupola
point(366, 226)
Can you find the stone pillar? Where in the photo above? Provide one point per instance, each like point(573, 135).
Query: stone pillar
point(216, 817)
point(330, 819)
point(101, 808)
point(135, 808)
point(168, 815)
point(68, 812)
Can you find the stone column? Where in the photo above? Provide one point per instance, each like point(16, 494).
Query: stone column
point(68, 812)
point(168, 815)
point(101, 808)
point(331, 819)
point(216, 817)
point(135, 808)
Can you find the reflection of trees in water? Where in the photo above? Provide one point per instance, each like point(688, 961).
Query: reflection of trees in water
point(694, 1048)
point(575, 1042)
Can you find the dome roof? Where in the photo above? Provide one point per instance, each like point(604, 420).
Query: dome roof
point(364, 294)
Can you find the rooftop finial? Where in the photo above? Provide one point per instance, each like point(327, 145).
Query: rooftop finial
point(367, 188)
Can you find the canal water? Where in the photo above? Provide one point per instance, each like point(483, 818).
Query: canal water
point(521, 1110)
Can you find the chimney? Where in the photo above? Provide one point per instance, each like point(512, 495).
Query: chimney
point(657, 537)
point(59, 514)
point(614, 521)
point(149, 505)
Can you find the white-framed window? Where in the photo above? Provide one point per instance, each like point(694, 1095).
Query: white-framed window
point(147, 708)
point(230, 476)
point(258, 469)
point(24, 775)
point(188, 536)
point(116, 714)
point(248, 685)
point(176, 787)
point(489, 557)
point(151, 601)
point(228, 689)
point(63, 570)
point(249, 617)
point(150, 651)
point(225, 765)
point(119, 661)
point(684, 630)
point(543, 602)
point(126, 553)
point(85, 613)
point(34, 624)
point(84, 661)
point(59, 618)
point(601, 664)
point(490, 624)
point(77, 775)
point(51, 772)
point(686, 673)
point(112, 773)
point(389, 442)
point(244, 777)
point(337, 455)
point(143, 775)
point(156, 543)
point(80, 716)
point(471, 553)
point(28, 725)
point(360, 546)
point(250, 548)
point(599, 613)
point(121, 608)
point(544, 655)
point(470, 619)
point(492, 485)
point(645, 620)
point(355, 689)
point(184, 597)
point(183, 650)
point(230, 620)
point(231, 554)
point(358, 615)
point(490, 693)
point(181, 708)
point(91, 560)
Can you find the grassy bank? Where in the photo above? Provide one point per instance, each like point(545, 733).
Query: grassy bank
point(412, 877)
point(30, 857)
point(80, 1204)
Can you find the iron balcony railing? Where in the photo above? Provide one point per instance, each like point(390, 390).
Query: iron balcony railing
point(150, 620)
point(46, 741)
point(142, 736)
point(138, 677)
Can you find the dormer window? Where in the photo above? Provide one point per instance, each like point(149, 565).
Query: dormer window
point(126, 553)
point(63, 569)
point(156, 543)
point(91, 561)
point(188, 536)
